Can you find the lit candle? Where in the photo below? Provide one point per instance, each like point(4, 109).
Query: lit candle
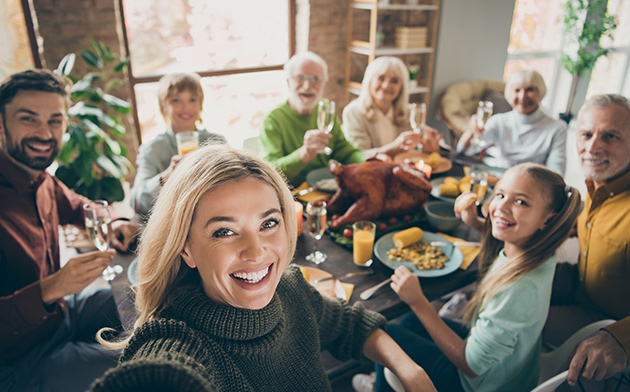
point(298, 211)
point(423, 167)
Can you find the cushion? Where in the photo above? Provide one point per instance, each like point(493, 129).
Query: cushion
point(501, 104)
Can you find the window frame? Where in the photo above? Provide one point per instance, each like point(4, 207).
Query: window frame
point(135, 80)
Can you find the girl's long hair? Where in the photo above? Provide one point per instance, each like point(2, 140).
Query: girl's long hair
point(375, 69)
point(563, 200)
point(160, 267)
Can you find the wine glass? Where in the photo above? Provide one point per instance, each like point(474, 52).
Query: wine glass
point(484, 111)
point(316, 224)
point(417, 118)
point(97, 224)
point(326, 119)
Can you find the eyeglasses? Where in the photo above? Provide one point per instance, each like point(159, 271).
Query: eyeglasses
point(303, 78)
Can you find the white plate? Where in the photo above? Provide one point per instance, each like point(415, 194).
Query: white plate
point(321, 178)
point(330, 288)
point(454, 254)
point(132, 272)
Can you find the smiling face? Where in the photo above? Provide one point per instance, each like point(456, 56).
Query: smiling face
point(183, 110)
point(526, 98)
point(238, 243)
point(518, 209)
point(385, 88)
point(32, 127)
point(603, 142)
point(306, 87)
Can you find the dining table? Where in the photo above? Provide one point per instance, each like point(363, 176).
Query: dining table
point(339, 262)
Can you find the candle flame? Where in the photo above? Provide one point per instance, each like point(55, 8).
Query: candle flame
point(425, 168)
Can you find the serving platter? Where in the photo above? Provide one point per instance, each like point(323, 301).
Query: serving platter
point(415, 156)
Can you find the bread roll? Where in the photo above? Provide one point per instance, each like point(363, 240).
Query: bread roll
point(407, 237)
point(451, 190)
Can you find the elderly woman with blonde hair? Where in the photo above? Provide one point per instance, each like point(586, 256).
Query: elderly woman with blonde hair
point(378, 120)
point(219, 308)
point(524, 134)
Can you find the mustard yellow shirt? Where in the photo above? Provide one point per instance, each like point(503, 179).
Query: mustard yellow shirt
point(604, 266)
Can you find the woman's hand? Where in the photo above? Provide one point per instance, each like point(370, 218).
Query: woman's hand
point(407, 286)
point(430, 139)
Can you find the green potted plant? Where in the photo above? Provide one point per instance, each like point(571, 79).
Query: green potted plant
point(585, 23)
point(92, 160)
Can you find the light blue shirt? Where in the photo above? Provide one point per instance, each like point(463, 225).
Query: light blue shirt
point(503, 346)
point(153, 158)
point(520, 138)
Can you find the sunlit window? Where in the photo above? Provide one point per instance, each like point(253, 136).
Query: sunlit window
point(536, 40)
point(15, 50)
point(237, 46)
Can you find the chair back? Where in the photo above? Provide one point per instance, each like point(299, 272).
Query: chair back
point(253, 144)
point(553, 362)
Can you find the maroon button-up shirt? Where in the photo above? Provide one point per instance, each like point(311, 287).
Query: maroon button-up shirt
point(30, 214)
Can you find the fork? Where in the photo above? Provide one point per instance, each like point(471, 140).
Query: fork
point(366, 294)
point(456, 243)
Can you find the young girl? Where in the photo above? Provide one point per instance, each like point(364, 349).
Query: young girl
point(181, 101)
point(530, 215)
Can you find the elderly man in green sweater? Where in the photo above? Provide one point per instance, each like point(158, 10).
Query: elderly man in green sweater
point(289, 134)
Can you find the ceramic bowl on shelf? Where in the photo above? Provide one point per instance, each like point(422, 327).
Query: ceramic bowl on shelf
point(441, 215)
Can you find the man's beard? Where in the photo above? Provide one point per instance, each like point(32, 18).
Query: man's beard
point(19, 151)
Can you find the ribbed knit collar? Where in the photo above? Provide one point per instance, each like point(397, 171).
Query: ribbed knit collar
point(532, 118)
point(191, 305)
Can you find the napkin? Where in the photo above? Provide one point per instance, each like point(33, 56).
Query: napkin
point(349, 287)
point(311, 196)
point(470, 252)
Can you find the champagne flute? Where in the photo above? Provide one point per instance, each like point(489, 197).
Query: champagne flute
point(316, 224)
point(479, 183)
point(484, 111)
point(326, 119)
point(97, 224)
point(418, 118)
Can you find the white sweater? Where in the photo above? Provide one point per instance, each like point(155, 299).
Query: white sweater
point(520, 138)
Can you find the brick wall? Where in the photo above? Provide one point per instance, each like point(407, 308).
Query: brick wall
point(66, 26)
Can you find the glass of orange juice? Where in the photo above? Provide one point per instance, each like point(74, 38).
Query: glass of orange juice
point(299, 211)
point(363, 233)
point(187, 141)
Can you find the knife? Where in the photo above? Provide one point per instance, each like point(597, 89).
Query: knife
point(370, 272)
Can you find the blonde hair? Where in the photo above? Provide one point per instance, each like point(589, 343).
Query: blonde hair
point(563, 200)
point(375, 69)
point(527, 77)
point(160, 267)
point(176, 83)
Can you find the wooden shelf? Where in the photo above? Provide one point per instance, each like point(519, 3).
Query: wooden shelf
point(368, 48)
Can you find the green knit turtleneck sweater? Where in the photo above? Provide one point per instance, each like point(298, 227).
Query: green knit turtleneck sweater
point(199, 345)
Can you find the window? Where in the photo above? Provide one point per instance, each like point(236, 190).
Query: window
point(537, 41)
point(15, 51)
point(237, 46)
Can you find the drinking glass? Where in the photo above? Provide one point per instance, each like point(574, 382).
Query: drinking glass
point(187, 141)
point(97, 224)
point(316, 221)
point(363, 233)
point(479, 183)
point(484, 111)
point(418, 116)
point(326, 119)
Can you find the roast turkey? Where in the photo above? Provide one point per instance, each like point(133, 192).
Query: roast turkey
point(373, 189)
